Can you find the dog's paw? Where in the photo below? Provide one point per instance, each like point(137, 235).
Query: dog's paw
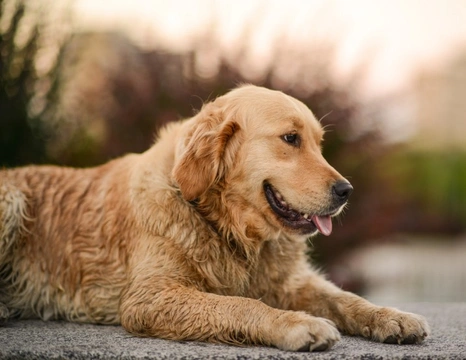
point(392, 326)
point(297, 331)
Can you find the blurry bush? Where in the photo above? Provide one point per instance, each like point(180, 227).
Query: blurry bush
point(21, 138)
point(30, 41)
point(104, 97)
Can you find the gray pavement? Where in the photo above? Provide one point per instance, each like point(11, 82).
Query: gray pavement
point(35, 339)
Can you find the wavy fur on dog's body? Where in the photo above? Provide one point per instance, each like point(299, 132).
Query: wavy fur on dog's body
point(180, 242)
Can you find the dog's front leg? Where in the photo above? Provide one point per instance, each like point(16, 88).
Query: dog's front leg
point(354, 315)
point(183, 313)
point(171, 307)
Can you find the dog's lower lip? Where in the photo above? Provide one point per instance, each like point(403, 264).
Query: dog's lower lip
point(288, 217)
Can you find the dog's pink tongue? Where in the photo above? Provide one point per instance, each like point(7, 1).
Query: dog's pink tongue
point(323, 223)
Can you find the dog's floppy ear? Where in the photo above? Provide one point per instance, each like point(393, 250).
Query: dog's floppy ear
point(202, 162)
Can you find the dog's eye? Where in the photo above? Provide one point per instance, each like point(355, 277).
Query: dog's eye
point(292, 139)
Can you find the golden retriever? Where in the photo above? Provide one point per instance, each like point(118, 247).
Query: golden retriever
point(202, 237)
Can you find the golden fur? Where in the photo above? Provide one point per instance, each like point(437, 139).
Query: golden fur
point(181, 242)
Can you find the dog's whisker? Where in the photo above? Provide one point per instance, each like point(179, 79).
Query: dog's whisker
point(323, 117)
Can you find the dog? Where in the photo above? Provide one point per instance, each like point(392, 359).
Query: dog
point(202, 237)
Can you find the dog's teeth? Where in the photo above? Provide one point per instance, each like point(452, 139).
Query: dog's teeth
point(305, 216)
point(279, 196)
point(283, 202)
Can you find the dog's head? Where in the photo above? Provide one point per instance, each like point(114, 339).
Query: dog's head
point(262, 149)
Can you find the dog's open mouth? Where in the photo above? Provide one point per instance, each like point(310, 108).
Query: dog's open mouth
point(306, 223)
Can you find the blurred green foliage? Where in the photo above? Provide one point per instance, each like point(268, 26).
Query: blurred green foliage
point(434, 180)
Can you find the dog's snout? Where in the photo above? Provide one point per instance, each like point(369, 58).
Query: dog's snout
point(342, 190)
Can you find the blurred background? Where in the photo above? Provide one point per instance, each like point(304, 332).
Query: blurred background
point(84, 81)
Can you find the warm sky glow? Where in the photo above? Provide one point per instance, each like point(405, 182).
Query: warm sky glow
point(402, 35)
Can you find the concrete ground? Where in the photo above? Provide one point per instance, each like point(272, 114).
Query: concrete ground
point(35, 339)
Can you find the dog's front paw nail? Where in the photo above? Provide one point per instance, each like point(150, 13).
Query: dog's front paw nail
point(321, 347)
point(305, 347)
point(410, 339)
point(391, 340)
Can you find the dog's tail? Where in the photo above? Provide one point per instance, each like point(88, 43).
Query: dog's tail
point(13, 215)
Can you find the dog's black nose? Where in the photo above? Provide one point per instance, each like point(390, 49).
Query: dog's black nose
point(342, 190)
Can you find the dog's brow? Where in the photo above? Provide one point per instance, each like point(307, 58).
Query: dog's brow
point(296, 123)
